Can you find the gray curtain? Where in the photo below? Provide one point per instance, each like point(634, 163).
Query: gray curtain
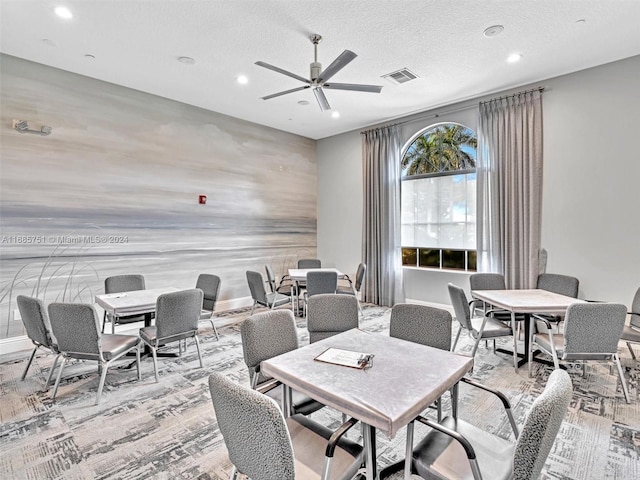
point(381, 216)
point(509, 198)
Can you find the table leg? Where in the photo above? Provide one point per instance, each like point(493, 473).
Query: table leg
point(408, 455)
point(286, 401)
point(454, 401)
point(369, 437)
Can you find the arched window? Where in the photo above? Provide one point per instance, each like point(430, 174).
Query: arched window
point(439, 199)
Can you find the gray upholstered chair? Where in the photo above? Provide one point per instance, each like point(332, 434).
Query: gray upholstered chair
point(484, 327)
point(353, 287)
point(631, 332)
point(455, 449)
point(210, 286)
point(422, 324)
point(320, 282)
point(263, 445)
point(264, 336)
point(76, 327)
point(284, 287)
point(260, 295)
point(329, 314)
point(560, 284)
point(36, 323)
point(309, 263)
point(119, 284)
point(591, 332)
point(177, 317)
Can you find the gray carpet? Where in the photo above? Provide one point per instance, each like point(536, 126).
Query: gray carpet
point(167, 430)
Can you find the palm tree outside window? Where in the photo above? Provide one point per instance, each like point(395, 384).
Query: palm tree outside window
point(439, 199)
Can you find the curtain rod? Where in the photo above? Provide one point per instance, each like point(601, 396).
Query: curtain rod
point(460, 108)
point(537, 89)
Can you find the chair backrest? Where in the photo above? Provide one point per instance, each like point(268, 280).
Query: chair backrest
point(256, 286)
point(76, 327)
point(123, 283)
point(487, 281)
point(329, 314)
point(635, 310)
point(178, 312)
point(541, 426)
point(309, 263)
point(210, 286)
point(36, 321)
point(253, 429)
point(362, 268)
point(560, 284)
point(266, 335)
point(460, 306)
point(271, 278)
point(421, 324)
point(321, 282)
point(593, 328)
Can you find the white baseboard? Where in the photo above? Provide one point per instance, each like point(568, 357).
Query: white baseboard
point(15, 344)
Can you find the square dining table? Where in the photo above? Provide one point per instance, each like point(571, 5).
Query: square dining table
point(527, 302)
point(403, 380)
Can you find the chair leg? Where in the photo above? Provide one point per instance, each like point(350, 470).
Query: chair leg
point(155, 362)
point(616, 359)
point(198, 348)
point(138, 360)
point(103, 377)
point(215, 330)
point(50, 376)
point(253, 307)
point(55, 388)
point(633, 355)
point(33, 354)
point(475, 347)
point(233, 475)
point(455, 342)
point(104, 321)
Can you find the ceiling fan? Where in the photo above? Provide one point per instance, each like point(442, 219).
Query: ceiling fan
point(319, 78)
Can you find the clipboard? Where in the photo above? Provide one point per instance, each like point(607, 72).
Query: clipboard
point(346, 358)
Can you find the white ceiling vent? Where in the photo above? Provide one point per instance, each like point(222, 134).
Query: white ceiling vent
point(401, 76)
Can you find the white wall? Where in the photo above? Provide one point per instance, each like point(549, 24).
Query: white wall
point(591, 189)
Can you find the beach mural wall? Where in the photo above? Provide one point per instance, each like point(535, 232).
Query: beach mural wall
point(115, 189)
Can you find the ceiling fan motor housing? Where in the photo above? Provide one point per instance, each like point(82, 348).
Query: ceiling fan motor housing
point(316, 68)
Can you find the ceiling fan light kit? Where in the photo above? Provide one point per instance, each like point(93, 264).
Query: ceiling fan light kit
point(318, 78)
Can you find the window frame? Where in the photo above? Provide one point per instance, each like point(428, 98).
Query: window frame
point(441, 250)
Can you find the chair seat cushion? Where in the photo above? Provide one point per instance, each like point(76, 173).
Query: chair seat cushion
point(631, 334)
point(542, 340)
point(345, 291)
point(149, 334)
point(309, 441)
point(301, 403)
point(493, 328)
point(115, 345)
point(439, 456)
point(277, 299)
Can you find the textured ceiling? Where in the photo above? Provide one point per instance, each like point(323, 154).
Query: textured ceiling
point(136, 44)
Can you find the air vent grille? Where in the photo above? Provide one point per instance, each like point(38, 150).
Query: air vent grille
point(401, 76)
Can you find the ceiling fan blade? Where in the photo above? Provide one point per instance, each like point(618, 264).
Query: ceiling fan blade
point(284, 72)
point(338, 64)
point(322, 100)
point(356, 87)
point(273, 95)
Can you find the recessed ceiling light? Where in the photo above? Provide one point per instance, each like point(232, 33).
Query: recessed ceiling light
point(49, 42)
point(493, 30)
point(186, 60)
point(335, 114)
point(89, 56)
point(514, 57)
point(242, 80)
point(582, 20)
point(303, 102)
point(63, 12)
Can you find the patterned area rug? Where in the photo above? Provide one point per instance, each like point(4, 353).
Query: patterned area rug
point(167, 430)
